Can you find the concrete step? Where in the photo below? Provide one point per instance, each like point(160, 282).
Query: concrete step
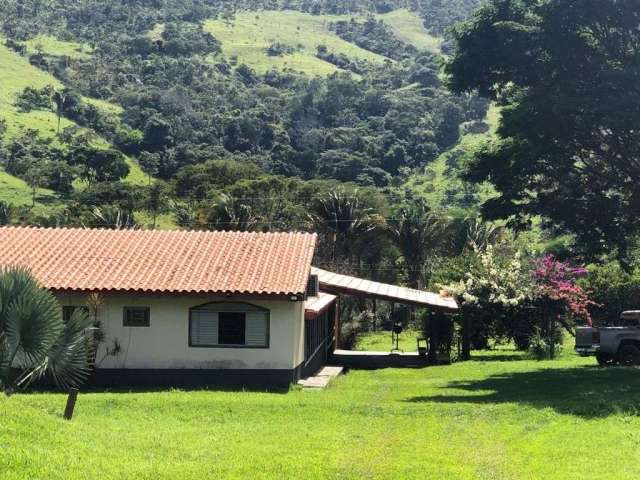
point(322, 378)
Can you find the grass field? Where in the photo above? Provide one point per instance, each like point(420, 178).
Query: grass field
point(409, 27)
point(497, 417)
point(250, 33)
point(52, 46)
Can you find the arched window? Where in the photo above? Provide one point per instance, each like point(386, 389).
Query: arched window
point(229, 324)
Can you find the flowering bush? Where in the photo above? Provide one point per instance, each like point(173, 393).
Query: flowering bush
point(508, 297)
point(497, 281)
point(557, 282)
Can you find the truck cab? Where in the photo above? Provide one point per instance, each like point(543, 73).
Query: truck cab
point(618, 344)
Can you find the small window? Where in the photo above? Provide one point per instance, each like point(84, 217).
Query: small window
point(136, 317)
point(69, 310)
point(229, 324)
point(231, 328)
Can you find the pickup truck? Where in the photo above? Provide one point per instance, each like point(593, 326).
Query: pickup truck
point(612, 345)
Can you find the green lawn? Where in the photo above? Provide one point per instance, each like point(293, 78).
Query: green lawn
point(484, 419)
point(380, 341)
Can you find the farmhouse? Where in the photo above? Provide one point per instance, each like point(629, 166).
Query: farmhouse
point(192, 308)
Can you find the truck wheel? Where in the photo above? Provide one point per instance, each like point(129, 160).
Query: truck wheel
point(629, 355)
point(604, 359)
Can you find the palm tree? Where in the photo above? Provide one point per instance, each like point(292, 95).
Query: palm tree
point(342, 222)
point(481, 234)
point(418, 234)
point(34, 340)
point(113, 218)
point(230, 214)
point(6, 213)
point(186, 214)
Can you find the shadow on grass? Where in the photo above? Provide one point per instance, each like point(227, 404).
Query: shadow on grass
point(500, 357)
point(89, 389)
point(587, 392)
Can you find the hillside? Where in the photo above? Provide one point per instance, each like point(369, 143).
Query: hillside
point(249, 34)
point(439, 182)
point(16, 74)
point(408, 26)
point(337, 98)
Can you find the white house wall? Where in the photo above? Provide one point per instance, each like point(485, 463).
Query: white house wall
point(165, 344)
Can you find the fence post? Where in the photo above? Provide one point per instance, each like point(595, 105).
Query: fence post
point(71, 403)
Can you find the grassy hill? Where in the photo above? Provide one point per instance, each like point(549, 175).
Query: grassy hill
point(16, 73)
point(249, 34)
point(52, 46)
point(439, 183)
point(409, 27)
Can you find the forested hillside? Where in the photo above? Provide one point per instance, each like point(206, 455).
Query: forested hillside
point(341, 91)
point(233, 115)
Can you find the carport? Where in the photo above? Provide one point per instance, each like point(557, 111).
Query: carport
point(336, 284)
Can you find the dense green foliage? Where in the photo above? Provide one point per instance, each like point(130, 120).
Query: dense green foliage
point(185, 102)
point(567, 76)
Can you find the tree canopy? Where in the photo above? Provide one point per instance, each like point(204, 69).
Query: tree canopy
point(567, 76)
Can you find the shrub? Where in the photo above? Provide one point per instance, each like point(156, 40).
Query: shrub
point(613, 289)
point(538, 346)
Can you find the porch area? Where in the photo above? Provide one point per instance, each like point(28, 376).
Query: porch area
point(333, 286)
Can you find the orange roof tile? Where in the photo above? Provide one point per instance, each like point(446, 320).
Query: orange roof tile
point(161, 261)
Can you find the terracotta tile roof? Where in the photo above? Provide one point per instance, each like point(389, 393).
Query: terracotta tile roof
point(337, 283)
point(161, 261)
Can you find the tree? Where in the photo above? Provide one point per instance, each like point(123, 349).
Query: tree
point(156, 199)
point(150, 163)
point(99, 165)
point(35, 179)
point(232, 215)
point(157, 134)
point(566, 75)
point(418, 234)
point(58, 101)
point(112, 217)
point(34, 340)
point(494, 289)
point(341, 219)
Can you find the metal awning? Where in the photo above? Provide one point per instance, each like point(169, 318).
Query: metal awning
point(344, 284)
point(314, 306)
